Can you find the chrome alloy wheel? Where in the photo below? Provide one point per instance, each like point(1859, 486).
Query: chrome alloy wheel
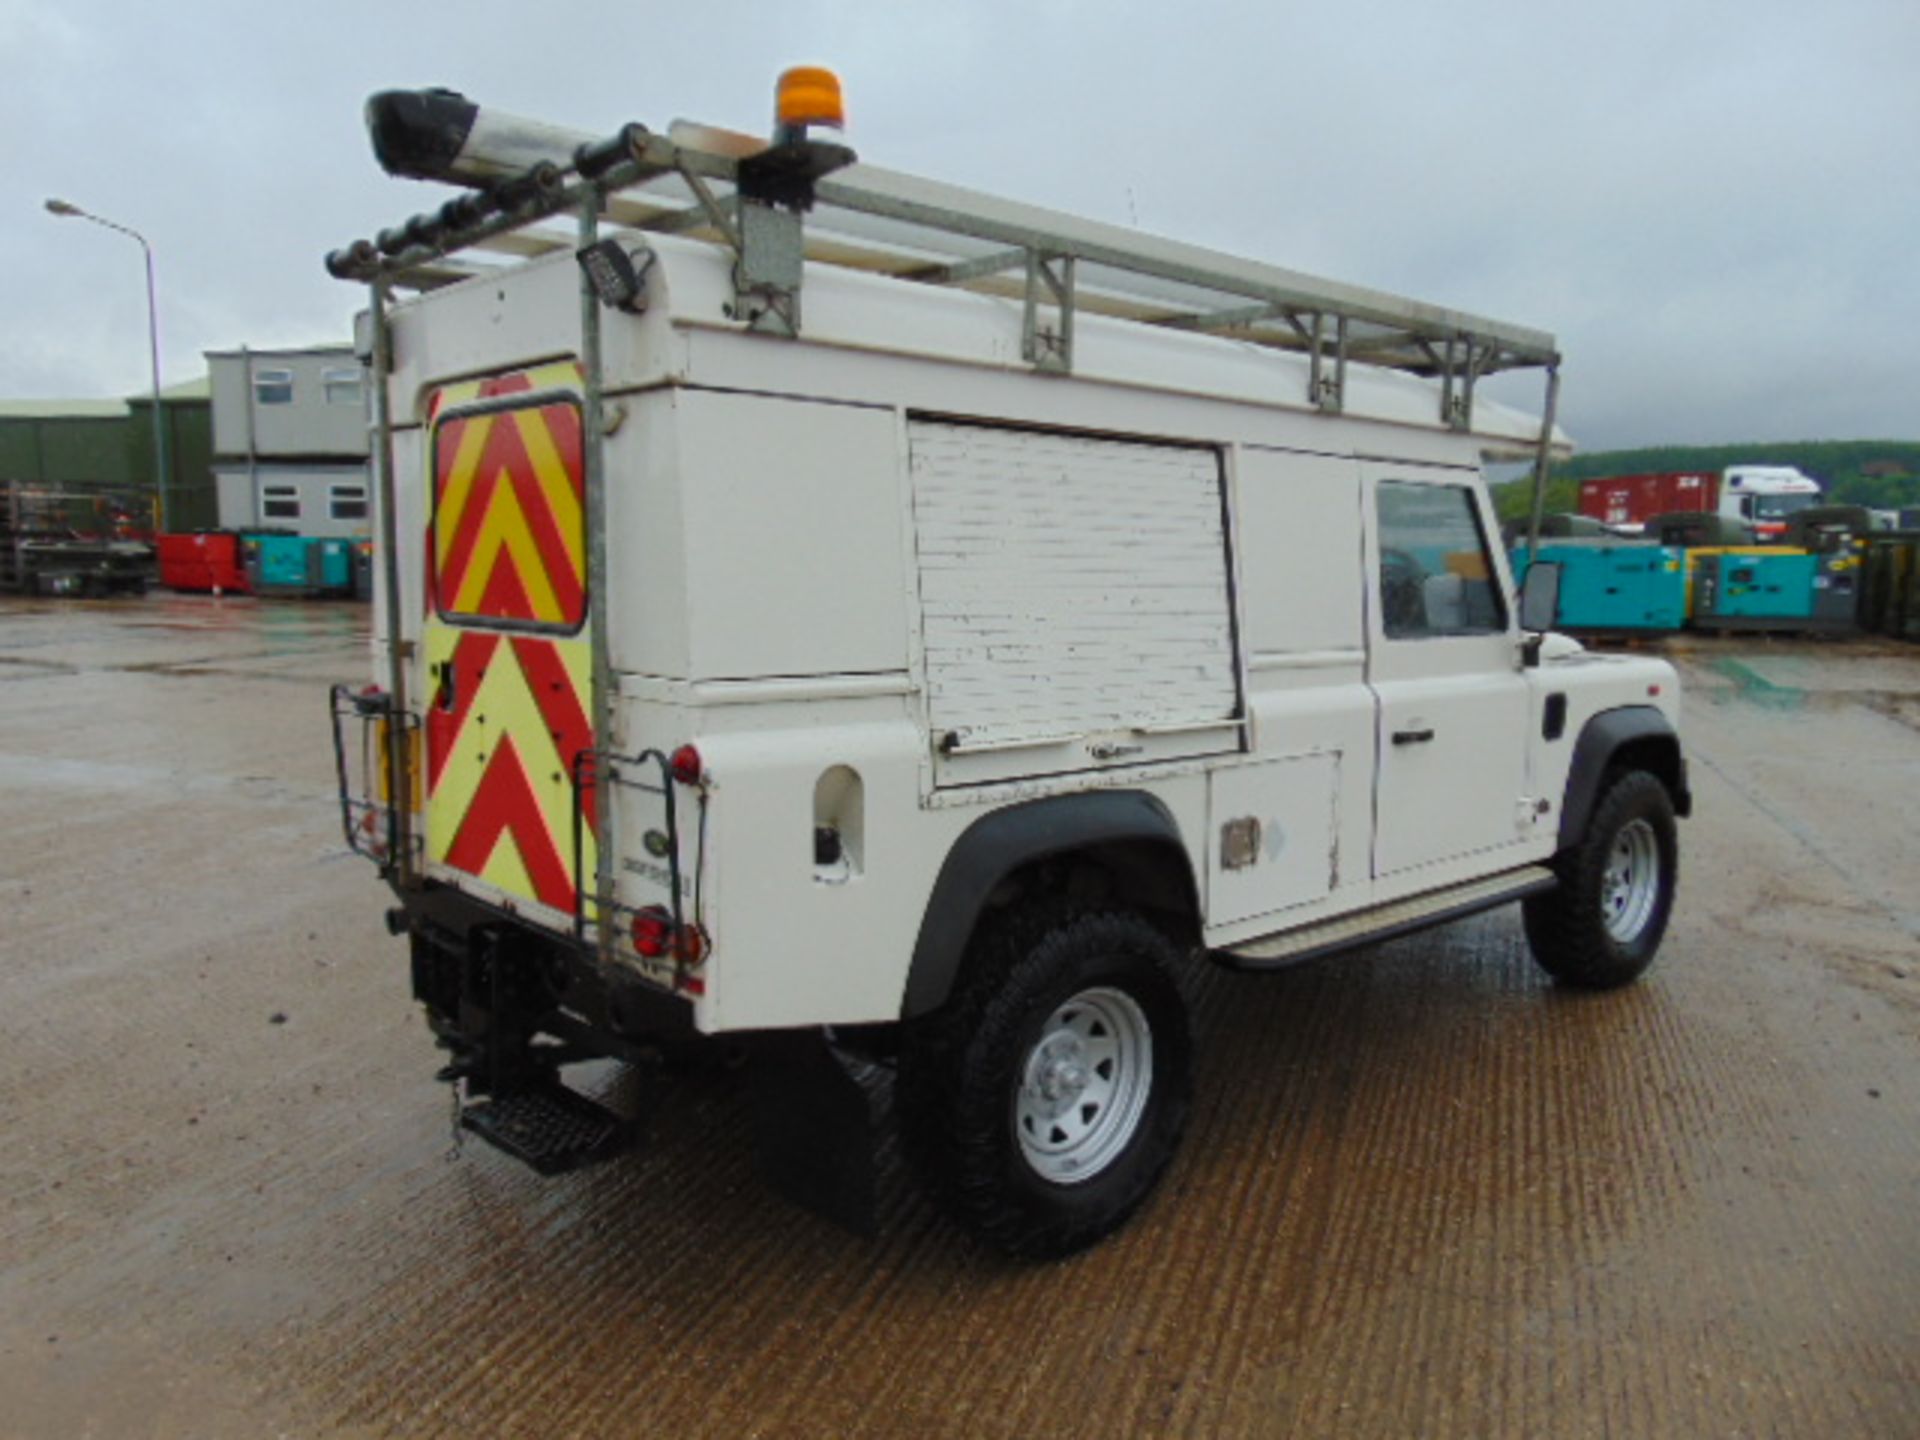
point(1630, 885)
point(1084, 1086)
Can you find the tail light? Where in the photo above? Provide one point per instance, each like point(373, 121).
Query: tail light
point(653, 931)
point(686, 765)
point(654, 937)
point(693, 945)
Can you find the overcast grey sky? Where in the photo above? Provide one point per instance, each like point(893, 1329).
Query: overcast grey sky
point(1713, 205)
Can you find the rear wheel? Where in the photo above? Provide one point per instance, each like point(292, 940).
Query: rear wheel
point(1602, 926)
point(1043, 1103)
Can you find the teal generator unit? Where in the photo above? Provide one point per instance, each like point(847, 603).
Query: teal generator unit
point(298, 564)
point(1759, 592)
point(1608, 585)
point(275, 564)
point(330, 567)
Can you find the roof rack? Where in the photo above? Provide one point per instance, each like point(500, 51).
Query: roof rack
point(689, 182)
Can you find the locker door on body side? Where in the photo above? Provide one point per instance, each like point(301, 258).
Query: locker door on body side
point(1076, 606)
point(1293, 826)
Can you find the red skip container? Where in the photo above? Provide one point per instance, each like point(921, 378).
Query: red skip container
point(206, 560)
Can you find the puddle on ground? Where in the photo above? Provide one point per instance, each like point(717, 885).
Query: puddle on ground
point(1752, 688)
point(1746, 686)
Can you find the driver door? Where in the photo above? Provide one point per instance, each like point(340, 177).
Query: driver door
point(1443, 662)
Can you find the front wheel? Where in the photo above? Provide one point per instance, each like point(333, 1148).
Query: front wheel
point(1046, 1099)
point(1602, 926)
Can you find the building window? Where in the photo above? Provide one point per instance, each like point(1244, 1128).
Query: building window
point(279, 502)
point(273, 387)
point(342, 386)
point(347, 502)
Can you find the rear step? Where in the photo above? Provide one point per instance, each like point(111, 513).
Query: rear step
point(1349, 932)
point(551, 1128)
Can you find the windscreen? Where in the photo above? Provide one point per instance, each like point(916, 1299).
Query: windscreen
point(1776, 507)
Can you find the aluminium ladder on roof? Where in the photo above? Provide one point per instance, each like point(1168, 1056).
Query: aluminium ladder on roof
point(714, 185)
point(919, 230)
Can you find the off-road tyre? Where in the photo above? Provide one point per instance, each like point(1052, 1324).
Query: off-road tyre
point(964, 1091)
point(1598, 929)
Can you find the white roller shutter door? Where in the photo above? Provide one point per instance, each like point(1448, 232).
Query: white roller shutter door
point(1075, 600)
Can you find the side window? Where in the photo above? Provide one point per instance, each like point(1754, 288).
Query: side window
point(1436, 575)
point(273, 387)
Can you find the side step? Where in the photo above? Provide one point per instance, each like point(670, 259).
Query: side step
point(551, 1128)
point(1401, 917)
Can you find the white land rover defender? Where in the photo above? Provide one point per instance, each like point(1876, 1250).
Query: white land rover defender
point(862, 618)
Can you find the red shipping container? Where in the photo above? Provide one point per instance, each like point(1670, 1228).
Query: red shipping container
point(206, 561)
point(1635, 499)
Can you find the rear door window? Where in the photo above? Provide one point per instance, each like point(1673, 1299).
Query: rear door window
point(509, 533)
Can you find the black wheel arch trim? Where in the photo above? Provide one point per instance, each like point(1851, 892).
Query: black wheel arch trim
point(1641, 728)
point(997, 844)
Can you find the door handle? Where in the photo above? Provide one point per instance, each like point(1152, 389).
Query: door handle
point(1412, 737)
point(444, 688)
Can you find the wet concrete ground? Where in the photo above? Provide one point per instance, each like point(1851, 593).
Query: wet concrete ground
point(1424, 1193)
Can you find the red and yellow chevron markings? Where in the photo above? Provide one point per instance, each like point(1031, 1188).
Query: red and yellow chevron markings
point(508, 539)
point(507, 709)
point(500, 761)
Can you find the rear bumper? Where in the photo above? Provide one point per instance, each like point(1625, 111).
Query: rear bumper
point(480, 971)
point(499, 994)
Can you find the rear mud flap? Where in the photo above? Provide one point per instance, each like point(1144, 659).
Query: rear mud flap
point(814, 1128)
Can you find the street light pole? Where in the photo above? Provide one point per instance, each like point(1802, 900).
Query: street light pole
point(66, 210)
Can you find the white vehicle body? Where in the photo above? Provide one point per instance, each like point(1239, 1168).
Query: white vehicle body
point(809, 539)
point(934, 670)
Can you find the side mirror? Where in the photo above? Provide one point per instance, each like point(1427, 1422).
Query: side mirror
point(1540, 598)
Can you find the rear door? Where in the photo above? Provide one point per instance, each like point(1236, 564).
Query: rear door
point(505, 650)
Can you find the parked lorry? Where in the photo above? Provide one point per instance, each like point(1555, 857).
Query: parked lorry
point(877, 624)
point(1759, 496)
